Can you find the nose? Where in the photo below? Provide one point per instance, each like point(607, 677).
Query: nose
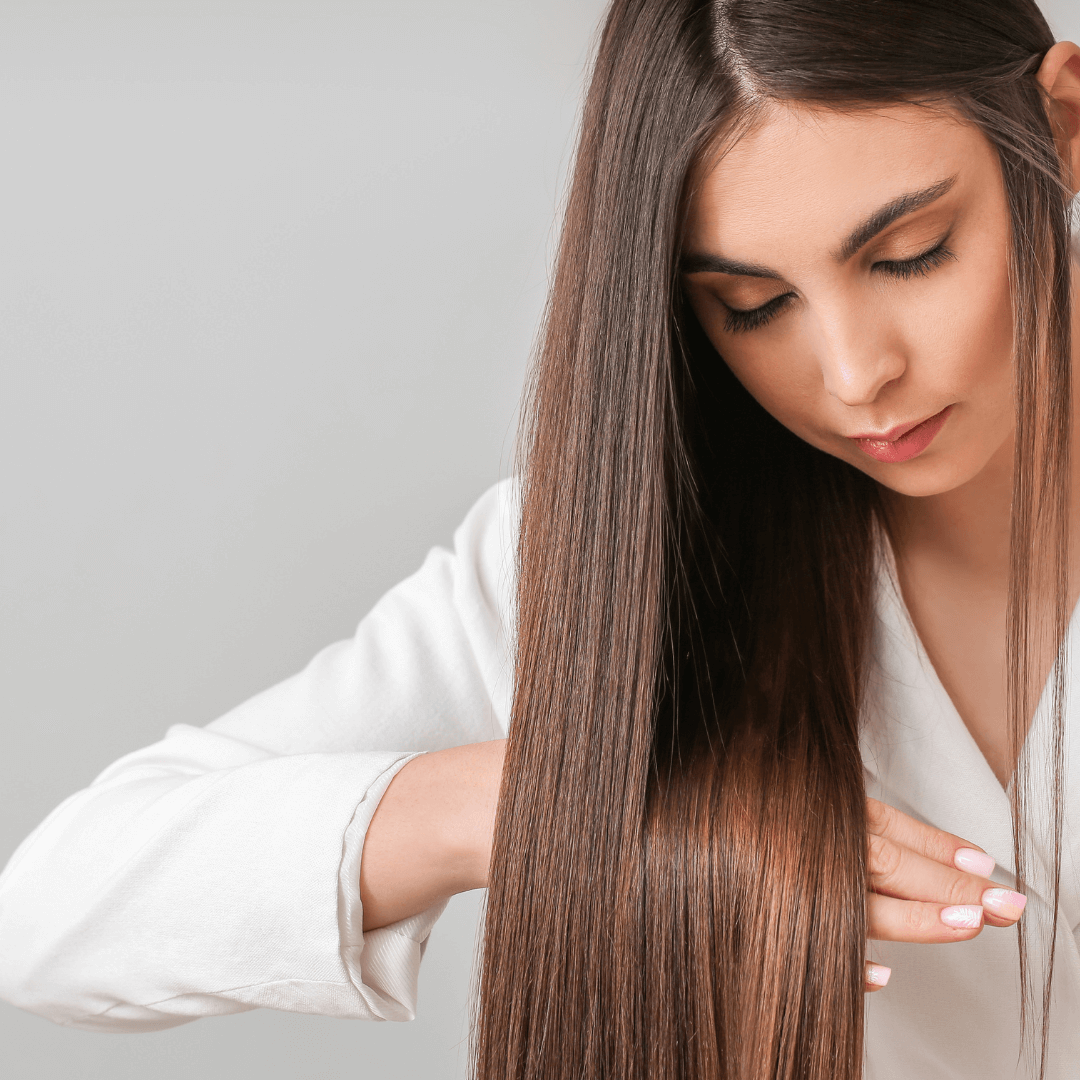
point(858, 358)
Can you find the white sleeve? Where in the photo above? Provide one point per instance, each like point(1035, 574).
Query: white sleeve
point(218, 870)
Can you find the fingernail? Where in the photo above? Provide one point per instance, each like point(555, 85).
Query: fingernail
point(1004, 902)
point(974, 862)
point(962, 918)
point(877, 974)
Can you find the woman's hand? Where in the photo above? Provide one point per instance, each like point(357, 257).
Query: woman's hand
point(928, 886)
point(431, 833)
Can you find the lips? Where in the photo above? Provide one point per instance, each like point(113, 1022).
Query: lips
point(903, 442)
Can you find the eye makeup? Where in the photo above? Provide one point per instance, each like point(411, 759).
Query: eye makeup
point(918, 265)
point(740, 321)
point(744, 320)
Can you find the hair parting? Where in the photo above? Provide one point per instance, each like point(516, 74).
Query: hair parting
point(678, 881)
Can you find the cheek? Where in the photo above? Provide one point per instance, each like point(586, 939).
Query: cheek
point(776, 368)
point(782, 375)
point(959, 341)
point(783, 380)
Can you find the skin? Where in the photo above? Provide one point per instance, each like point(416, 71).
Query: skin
point(858, 342)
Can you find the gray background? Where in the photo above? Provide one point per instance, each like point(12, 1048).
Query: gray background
point(269, 276)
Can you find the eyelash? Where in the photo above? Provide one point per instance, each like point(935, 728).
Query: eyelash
point(919, 265)
point(741, 322)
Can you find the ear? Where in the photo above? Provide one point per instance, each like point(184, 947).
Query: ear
point(1059, 76)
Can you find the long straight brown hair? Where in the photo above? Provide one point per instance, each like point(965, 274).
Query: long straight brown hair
point(678, 883)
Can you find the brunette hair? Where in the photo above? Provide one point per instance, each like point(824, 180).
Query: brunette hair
point(678, 883)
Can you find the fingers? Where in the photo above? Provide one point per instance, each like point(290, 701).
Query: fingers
point(913, 861)
point(892, 919)
point(927, 885)
point(888, 822)
point(900, 871)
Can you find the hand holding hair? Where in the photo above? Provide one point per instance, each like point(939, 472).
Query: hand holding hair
point(928, 886)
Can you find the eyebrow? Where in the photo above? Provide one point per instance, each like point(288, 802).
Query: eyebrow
point(717, 264)
point(881, 219)
point(861, 235)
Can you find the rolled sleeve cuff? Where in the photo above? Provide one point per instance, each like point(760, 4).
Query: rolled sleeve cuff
point(383, 964)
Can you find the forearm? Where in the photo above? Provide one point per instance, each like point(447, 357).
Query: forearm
point(148, 898)
point(431, 834)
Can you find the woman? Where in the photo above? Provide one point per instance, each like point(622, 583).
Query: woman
point(752, 591)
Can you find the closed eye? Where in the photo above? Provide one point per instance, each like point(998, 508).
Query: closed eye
point(917, 265)
point(741, 320)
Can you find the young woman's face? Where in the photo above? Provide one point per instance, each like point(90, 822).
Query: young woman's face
point(851, 268)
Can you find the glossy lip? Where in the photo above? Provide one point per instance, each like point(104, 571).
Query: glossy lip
point(903, 442)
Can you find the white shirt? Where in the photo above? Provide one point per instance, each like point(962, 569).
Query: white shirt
point(217, 870)
point(953, 1010)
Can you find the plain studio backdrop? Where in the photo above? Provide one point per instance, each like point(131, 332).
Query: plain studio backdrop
point(270, 273)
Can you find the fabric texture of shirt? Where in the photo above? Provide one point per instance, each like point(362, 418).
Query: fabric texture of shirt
point(218, 870)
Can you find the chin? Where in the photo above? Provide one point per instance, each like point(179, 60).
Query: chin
point(921, 479)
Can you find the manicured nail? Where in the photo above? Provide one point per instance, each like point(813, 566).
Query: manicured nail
point(1004, 902)
point(974, 862)
point(962, 918)
point(877, 974)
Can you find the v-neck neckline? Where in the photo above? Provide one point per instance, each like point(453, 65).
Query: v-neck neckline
point(889, 579)
point(944, 771)
point(921, 758)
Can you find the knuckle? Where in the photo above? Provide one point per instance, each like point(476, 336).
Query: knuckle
point(877, 815)
point(918, 918)
point(958, 891)
point(941, 848)
point(884, 858)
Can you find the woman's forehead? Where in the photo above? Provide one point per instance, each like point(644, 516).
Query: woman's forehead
point(815, 169)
